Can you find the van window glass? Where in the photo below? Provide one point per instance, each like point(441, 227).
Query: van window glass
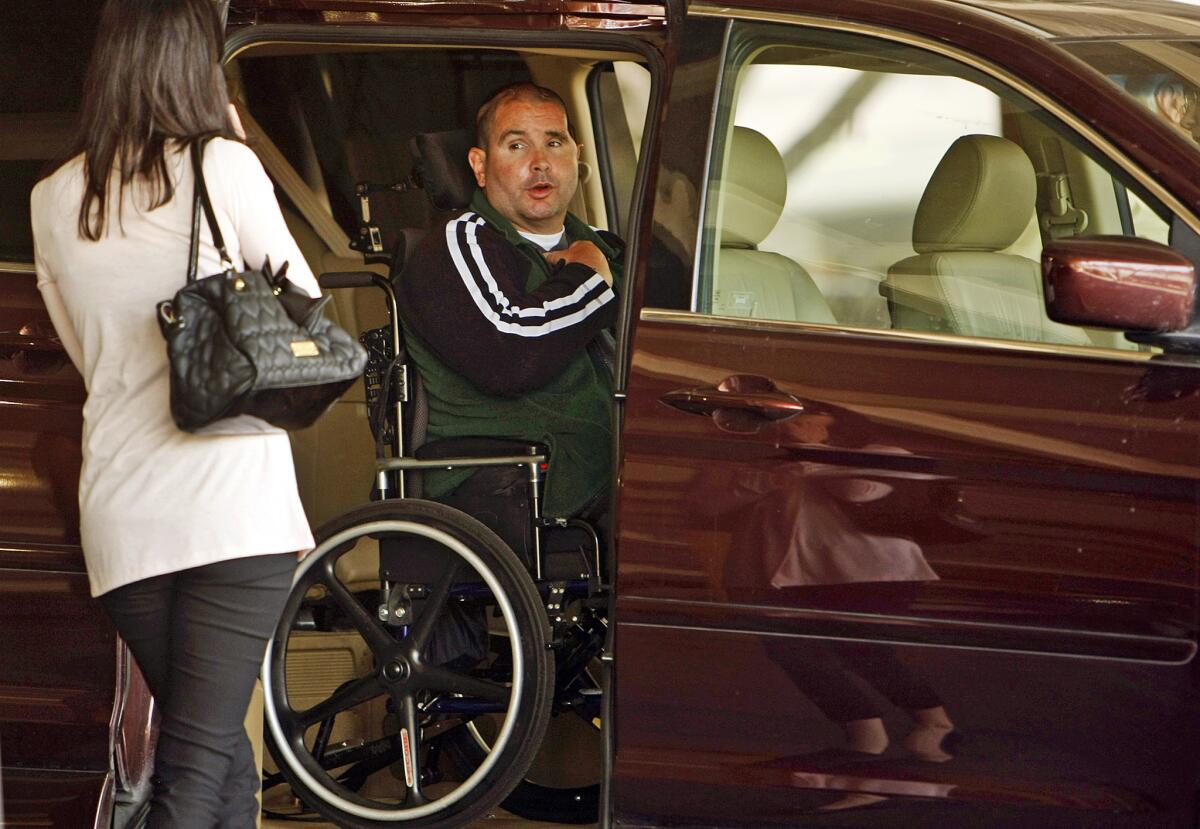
point(848, 204)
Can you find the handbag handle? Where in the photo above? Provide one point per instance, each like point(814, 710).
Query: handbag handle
point(202, 202)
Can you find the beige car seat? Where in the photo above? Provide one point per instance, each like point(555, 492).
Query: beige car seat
point(749, 282)
point(979, 200)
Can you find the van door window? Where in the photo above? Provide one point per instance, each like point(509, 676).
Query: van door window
point(901, 190)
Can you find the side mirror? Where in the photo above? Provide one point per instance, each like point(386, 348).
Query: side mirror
point(1119, 282)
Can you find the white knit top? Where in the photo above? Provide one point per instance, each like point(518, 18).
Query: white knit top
point(154, 499)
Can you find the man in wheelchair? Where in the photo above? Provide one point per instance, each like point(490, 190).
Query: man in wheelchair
point(506, 310)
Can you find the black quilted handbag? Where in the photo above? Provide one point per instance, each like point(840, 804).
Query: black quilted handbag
point(250, 342)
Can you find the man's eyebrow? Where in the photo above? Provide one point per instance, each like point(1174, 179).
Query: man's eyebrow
point(515, 133)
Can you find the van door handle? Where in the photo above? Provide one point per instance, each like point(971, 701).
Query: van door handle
point(770, 405)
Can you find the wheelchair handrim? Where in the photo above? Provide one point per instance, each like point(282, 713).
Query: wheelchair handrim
point(284, 746)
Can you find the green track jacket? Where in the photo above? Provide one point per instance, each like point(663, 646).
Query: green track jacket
point(501, 340)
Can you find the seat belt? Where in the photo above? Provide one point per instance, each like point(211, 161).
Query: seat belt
point(296, 189)
point(1057, 214)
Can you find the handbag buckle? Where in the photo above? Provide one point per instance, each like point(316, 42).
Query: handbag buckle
point(166, 312)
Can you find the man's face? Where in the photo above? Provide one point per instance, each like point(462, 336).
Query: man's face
point(530, 169)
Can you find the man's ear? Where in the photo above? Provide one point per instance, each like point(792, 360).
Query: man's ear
point(476, 158)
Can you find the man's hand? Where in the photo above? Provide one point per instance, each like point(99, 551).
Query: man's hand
point(585, 253)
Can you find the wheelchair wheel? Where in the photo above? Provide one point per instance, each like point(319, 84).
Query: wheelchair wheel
point(372, 666)
point(562, 784)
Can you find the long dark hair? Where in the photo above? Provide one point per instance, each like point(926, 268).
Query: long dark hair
point(155, 75)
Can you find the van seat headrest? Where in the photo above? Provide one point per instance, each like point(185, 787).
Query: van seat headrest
point(754, 189)
point(980, 198)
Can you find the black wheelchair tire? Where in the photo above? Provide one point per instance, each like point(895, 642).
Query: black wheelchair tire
point(530, 710)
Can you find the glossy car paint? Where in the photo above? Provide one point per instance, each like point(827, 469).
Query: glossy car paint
point(58, 659)
point(1062, 539)
point(1051, 493)
point(1142, 285)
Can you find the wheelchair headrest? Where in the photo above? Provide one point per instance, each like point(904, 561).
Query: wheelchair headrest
point(442, 167)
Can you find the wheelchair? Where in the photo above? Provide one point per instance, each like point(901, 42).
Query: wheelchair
point(474, 626)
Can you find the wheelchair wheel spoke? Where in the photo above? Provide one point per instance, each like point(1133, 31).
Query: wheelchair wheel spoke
point(349, 695)
point(410, 741)
point(442, 679)
point(378, 639)
point(434, 605)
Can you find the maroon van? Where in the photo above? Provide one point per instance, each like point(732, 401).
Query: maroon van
point(907, 394)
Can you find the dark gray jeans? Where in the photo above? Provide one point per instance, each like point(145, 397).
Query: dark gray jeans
point(199, 636)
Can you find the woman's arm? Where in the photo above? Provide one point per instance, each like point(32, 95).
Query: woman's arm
point(257, 219)
point(52, 297)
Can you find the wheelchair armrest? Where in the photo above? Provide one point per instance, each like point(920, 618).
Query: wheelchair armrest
point(449, 448)
point(466, 453)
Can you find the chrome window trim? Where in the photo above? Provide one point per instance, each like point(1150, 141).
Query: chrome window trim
point(967, 58)
point(695, 318)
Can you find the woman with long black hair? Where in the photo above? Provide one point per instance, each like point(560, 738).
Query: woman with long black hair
point(189, 539)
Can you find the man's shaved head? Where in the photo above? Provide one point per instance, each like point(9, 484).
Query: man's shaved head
point(521, 91)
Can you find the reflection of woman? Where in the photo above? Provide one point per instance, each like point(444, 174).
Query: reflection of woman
point(806, 536)
point(803, 531)
point(824, 547)
point(182, 533)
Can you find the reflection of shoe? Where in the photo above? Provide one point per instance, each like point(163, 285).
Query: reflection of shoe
point(855, 800)
point(826, 758)
point(933, 745)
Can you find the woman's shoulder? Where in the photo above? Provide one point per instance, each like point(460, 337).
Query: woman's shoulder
point(232, 167)
point(228, 152)
point(66, 178)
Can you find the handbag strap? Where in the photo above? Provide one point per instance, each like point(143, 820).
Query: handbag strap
point(202, 202)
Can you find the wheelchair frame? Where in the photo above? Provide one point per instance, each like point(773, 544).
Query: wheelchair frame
point(576, 650)
point(401, 463)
